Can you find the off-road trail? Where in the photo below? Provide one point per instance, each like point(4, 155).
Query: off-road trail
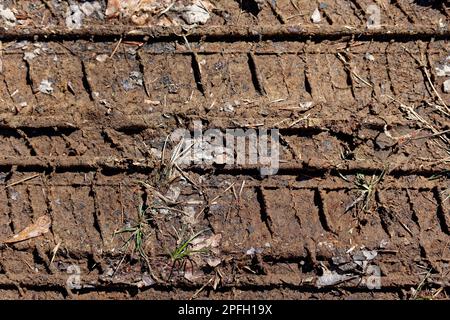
point(357, 91)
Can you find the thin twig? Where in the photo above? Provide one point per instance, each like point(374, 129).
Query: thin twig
point(116, 48)
point(201, 289)
point(20, 181)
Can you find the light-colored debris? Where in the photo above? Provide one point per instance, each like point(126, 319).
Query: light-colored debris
point(7, 16)
point(192, 275)
point(22, 180)
point(369, 255)
point(89, 8)
point(45, 87)
point(76, 13)
point(14, 195)
point(211, 242)
point(316, 17)
point(252, 251)
point(368, 56)
point(194, 151)
point(135, 79)
point(196, 13)
point(155, 153)
point(354, 260)
point(443, 69)
point(40, 227)
point(383, 243)
point(305, 106)
point(213, 262)
point(331, 278)
point(173, 193)
point(102, 57)
point(55, 251)
point(28, 56)
point(446, 86)
point(163, 12)
point(145, 282)
point(74, 17)
point(127, 8)
point(190, 217)
point(228, 107)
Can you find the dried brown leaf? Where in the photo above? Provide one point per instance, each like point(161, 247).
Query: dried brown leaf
point(40, 227)
point(206, 242)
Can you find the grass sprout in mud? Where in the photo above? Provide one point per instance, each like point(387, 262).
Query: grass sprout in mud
point(137, 232)
point(169, 215)
point(184, 251)
point(366, 189)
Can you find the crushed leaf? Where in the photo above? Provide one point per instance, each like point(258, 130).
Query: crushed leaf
point(40, 227)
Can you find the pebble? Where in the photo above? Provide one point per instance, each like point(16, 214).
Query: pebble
point(8, 16)
point(46, 87)
point(446, 86)
point(369, 56)
point(316, 16)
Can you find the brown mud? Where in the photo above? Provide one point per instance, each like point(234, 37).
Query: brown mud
point(364, 159)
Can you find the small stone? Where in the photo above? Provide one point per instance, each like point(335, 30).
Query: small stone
point(338, 260)
point(195, 14)
point(305, 106)
point(109, 272)
point(101, 58)
point(348, 267)
point(14, 195)
point(446, 86)
point(383, 243)
point(370, 255)
point(135, 79)
point(252, 251)
point(28, 56)
point(228, 107)
point(46, 87)
point(369, 56)
point(8, 16)
point(88, 8)
point(443, 69)
point(74, 17)
point(316, 16)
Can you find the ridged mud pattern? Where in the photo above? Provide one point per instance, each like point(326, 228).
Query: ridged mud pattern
point(342, 96)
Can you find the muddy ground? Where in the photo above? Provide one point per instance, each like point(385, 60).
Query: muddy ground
point(360, 205)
